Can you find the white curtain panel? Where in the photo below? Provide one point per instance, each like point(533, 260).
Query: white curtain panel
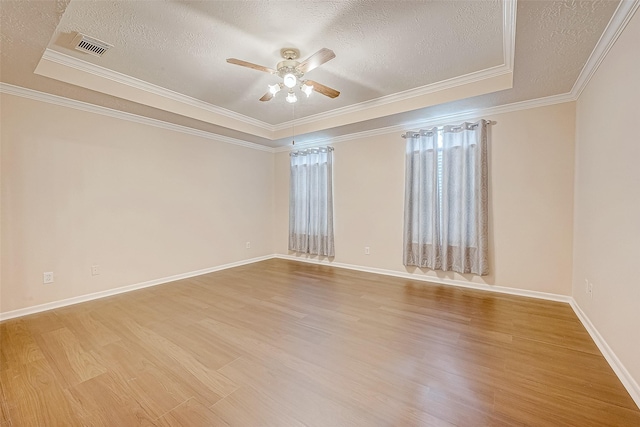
point(311, 202)
point(421, 219)
point(446, 199)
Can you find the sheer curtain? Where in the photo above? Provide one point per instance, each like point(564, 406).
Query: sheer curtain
point(311, 201)
point(446, 199)
point(422, 202)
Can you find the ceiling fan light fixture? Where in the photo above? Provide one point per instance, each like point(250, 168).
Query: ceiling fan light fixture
point(291, 97)
point(307, 89)
point(289, 80)
point(274, 88)
point(292, 72)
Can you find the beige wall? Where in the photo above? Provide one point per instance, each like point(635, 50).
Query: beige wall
point(607, 199)
point(79, 189)
point(141, 202)
point(531, 201)
point(144, 203)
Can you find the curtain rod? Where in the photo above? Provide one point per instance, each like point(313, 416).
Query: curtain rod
point(312, 150)
point(489, 122)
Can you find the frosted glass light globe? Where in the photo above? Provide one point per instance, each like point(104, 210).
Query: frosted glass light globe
point(289, 80)
point(291, 97)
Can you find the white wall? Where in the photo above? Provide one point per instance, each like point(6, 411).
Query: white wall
point(531, 201)
point(607, 199)
point(141, 202)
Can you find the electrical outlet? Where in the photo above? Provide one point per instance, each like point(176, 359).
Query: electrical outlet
point(590, 290)
point(95, 270)
point(366, 250)
point(248, 245)
point(47, 277)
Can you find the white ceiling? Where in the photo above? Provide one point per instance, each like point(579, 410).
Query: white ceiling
point(382, 47)
point(396, 61)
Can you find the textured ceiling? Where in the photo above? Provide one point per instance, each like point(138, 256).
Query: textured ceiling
point(381, 47)
point(27, 26)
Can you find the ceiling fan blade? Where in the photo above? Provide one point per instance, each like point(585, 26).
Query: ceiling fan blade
point(315, 60)
point(251, 65)
point(325, 90)
point(267, 96)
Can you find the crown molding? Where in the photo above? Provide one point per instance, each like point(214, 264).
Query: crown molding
point(91, 108)
point(436, 121)
point(114, 76)
point(105, 73)
point(618, 22)
point(442, 85)
point(508, 46)
point(621, 17)
point(509, 12)
point(508, 43)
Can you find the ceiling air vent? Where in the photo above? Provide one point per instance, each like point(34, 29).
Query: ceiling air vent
point(90, 45)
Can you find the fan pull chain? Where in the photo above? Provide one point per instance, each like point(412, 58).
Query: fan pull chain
point(293, 124)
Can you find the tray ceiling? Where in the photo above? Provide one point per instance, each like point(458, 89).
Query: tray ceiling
point(395, 61)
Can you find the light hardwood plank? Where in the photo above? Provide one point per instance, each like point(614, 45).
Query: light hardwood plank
point(65, 353)
point(35, 397)
point(192, 414)
point(217, 382)
point(157, 393)
point(4, 403)
point(18, 345)
point(41, 323)
point(91, 333)
point(107, 400)
point(281, 343)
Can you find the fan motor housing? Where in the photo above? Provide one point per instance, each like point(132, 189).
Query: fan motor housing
point(288, 67)
point(290, 53)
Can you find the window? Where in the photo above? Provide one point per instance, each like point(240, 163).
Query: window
point(311, 202)
point(446, 199)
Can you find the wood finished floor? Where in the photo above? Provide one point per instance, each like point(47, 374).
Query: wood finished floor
point(280, 343)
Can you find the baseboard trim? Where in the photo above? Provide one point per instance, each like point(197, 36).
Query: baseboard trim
point(625, 377)
point(451, 282)
point(459, 283)
point(102, 294)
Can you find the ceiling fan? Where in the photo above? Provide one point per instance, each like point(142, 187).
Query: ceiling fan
point(292, 71)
